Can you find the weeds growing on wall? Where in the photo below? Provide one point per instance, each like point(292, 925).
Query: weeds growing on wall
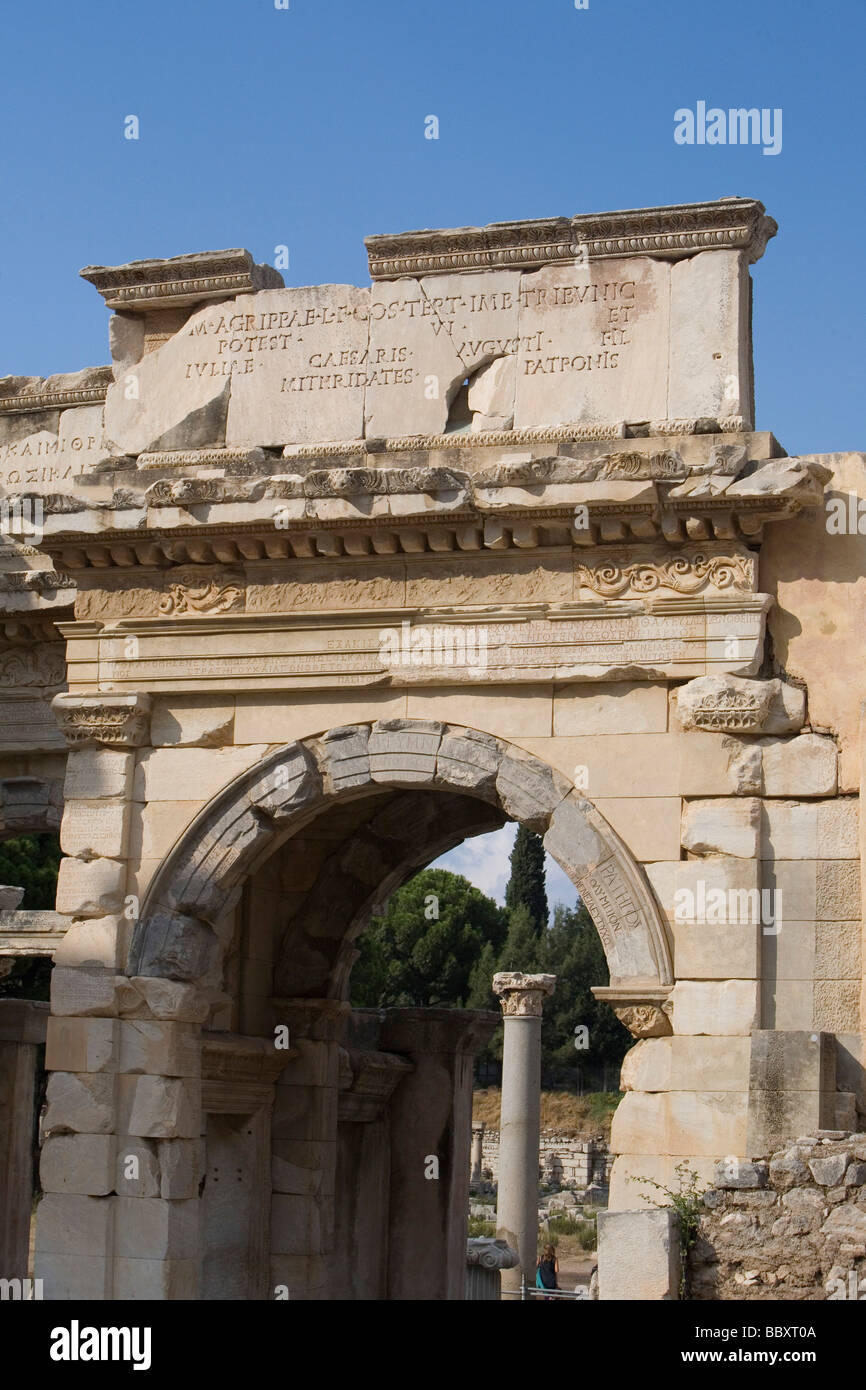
point(688, 1204)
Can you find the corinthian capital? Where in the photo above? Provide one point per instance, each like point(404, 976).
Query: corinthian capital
point(522, 996)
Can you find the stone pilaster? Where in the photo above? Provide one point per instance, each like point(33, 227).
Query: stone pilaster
point(522, 998)
point(304, 1131)
point(431, 1115)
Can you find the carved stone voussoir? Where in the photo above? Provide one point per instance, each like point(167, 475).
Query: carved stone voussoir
point(522, 996)
point(117, 720)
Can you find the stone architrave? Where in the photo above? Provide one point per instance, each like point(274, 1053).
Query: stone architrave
point(522, 997)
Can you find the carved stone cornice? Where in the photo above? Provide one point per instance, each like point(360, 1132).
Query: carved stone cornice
point(670, 232)
point(349, 511)
point(643, 1009)
point(26, 395)
point(141, 286)
point(237, 1057)
point(522, 996)
point(321, 1020)
point(371, 1081)
point(120, 721)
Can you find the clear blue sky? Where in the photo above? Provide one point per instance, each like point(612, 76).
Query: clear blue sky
point(305, 127)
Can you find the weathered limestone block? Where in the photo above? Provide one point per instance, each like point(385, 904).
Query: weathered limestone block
point(616, 707)
point(344, 756)
point(159, 1107)
point(83, 993)
point(136, 1167)
point(148, 1228)
point(126, 342)
point(707, 1123)
point(709, 370)
point(180, 1165)
point(162, 772)
point(469, 760)
point(174, 946)
point(91, 829)
point(51, 451)
point(802, 766)
point(529, 791)
point(137, 1280)
point(206, 724)
point(638, 1255)
point(82, 1045)
point(149, 996)
point(78, 1102)
point(838, 951)
point(687, 1064)
point(98, 942)
point(836, 1006)
point(722, 827)
point(82, 1163)
point(846, 1223)
point(69, 1224)
point(721, 1008)
point(574, 842)
point(570, 378)
point(810, 829)
point(304, 380)
point(403, 750)
point(826, 890)
point(159, 1048)
point(491, 395)
point(792, 1086)
point(733, 704)
point(90, 888)
point(740, 1176)
point(287, 784)
point(295, 1225)
point(829, 1172)
point(98, 772)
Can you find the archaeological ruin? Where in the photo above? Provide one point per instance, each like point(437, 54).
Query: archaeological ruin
point(309, 585)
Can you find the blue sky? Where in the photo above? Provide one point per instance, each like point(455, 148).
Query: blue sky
point(305, 127)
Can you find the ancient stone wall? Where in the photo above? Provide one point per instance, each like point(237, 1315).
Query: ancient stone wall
point(791, 1225)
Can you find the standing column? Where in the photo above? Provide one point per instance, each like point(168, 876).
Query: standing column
point(477, 1161)
point(521, 997)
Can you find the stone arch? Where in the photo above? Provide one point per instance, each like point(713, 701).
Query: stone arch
point(184, 927)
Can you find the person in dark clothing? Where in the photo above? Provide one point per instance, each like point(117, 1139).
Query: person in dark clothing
point(547, 1276)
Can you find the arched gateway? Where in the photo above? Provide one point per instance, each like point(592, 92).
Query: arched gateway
point(501, 526)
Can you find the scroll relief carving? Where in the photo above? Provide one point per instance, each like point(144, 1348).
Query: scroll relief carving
point(211, 597)
point(684, 574)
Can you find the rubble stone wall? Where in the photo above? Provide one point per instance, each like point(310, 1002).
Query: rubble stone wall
point(789, 1226)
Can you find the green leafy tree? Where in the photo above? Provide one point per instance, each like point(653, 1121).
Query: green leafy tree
point(30, 862)
point(574, 954)
point(423, 952)
point(526, 886)
point(524, 948)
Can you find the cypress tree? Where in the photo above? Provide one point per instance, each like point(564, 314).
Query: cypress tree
point(526, 886)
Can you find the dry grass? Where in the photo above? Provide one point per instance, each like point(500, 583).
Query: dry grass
point(572, 1116)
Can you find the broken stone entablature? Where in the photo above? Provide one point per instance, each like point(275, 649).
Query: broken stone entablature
point(141, 286)
point(675, 231)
